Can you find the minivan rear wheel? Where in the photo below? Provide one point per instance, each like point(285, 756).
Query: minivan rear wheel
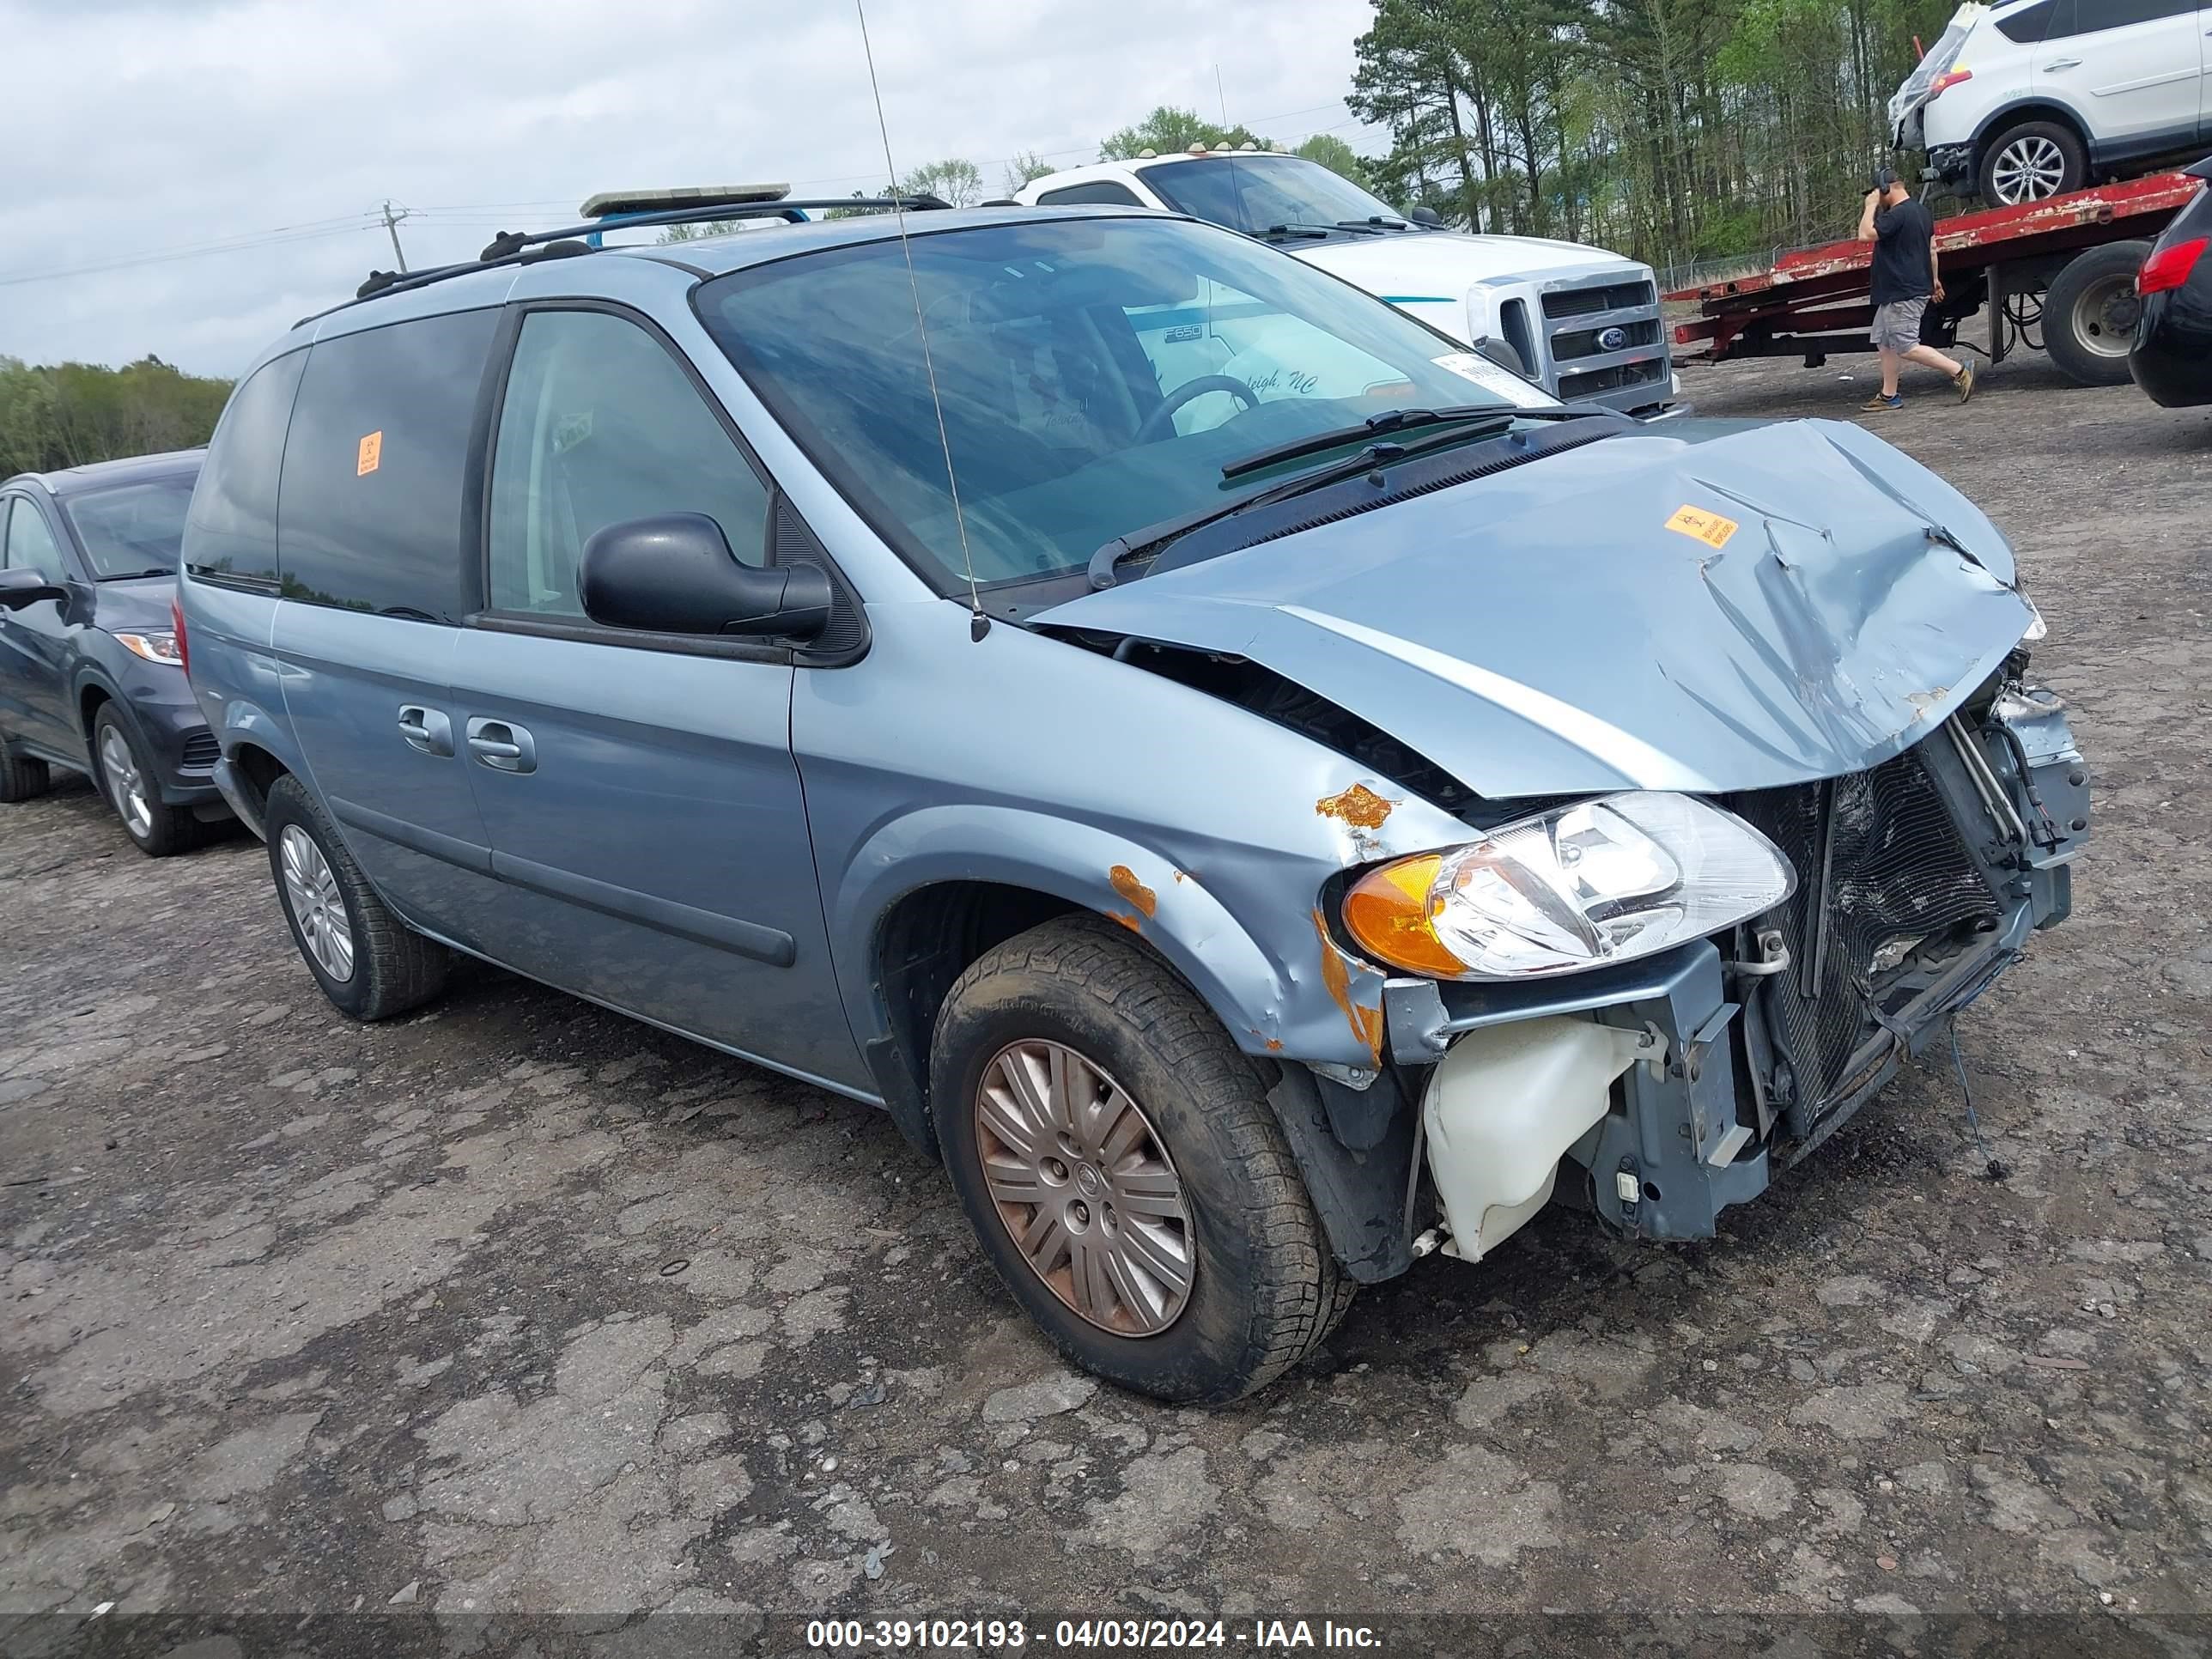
point(1120, 1162)
point(370, 964)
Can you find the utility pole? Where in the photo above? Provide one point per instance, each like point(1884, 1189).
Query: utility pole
point(391, 220)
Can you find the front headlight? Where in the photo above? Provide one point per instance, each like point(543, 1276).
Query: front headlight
point(1598, 882)
point(156, 645)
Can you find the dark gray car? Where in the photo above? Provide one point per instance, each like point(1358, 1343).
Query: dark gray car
point(1259, 790)
point(91, 675)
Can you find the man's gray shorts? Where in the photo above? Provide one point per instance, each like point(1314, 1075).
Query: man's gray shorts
point(1897, 324)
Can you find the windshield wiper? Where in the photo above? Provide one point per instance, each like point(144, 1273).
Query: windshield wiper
point(1312, 233)
point(134, 576)
point(1370, 460)
point(1390, 420)
point(1373, 220)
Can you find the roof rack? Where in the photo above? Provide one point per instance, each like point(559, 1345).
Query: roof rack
point(632, 209)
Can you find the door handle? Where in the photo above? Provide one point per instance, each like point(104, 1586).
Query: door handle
point(502, 745)
point(426, 729)
point(2063, 64)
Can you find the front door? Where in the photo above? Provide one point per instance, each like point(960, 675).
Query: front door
point(2133, 68)
point(34, 641)
point(643, 804)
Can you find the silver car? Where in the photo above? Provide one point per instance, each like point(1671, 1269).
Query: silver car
point(1258, 790)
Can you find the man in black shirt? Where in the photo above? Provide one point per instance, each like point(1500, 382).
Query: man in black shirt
point(1905, 279)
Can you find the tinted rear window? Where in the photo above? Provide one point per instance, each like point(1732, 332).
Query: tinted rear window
point(231, 529)
point(132, 530)
point(374, 471)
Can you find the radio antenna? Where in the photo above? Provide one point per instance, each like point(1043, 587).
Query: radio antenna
point(978, 623)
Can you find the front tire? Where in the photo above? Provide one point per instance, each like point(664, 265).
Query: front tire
point(1123, 1170)
point(370, 964)
point(2032, 162)
point(155, 828)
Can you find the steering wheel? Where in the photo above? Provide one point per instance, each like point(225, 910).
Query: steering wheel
point(1160, 422)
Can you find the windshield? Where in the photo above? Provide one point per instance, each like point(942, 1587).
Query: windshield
point(1255, 193)
point(1095, 375)
point(134, 529)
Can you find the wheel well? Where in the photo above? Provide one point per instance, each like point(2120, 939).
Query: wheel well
point(256, 770)
point(923, 944)
point(2005, 121)
point(87, 706)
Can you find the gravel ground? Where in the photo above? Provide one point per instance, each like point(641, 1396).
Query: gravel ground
point(516, 1307)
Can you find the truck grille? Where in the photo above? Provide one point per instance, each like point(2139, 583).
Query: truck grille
point(201, 752)
point(1604, 337)
point(1897, 869)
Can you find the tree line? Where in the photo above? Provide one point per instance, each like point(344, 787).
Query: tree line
point(1674, 131)
point(70, 414)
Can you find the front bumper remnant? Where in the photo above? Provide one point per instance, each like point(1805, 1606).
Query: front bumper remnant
point(1681, 1082)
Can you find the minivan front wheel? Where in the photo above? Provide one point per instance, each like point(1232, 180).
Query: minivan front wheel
point(1123, 1170)
point(369, 964)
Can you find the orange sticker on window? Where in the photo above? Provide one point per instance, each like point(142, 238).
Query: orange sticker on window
point(1700, 526)
point(371, 451)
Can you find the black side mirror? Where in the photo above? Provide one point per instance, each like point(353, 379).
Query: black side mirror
point(1426, 216)
point(674, 573)
point(21, 587)
point(1504, 353)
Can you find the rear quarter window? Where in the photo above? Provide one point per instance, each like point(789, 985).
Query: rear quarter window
point(376, 470)
point(231, 528)
point(2026, 25)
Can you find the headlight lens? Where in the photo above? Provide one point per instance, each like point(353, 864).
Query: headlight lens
point(1598, 882)
point(155, 646)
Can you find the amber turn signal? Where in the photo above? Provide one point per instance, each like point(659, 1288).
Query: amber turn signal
point(1389, 914)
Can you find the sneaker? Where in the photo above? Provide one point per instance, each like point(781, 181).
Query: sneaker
point(1965, 381)
point(1896, 400)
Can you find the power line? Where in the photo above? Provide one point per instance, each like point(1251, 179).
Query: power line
point(308, 231)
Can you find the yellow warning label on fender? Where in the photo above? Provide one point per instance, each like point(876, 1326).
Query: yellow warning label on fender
point(1700, 526)
point(372, 453)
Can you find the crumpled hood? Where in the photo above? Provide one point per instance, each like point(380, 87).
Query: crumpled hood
point(1544, 631)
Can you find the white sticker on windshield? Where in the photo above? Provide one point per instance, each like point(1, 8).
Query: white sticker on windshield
point(1473, 365)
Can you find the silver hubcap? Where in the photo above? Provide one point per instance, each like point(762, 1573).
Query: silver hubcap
point(1085, 1189)
point(312, 891)
point(2028, 170)
point(2104, 317)
point(125, 783)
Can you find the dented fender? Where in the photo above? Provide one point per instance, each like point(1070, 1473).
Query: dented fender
point(1275, 976)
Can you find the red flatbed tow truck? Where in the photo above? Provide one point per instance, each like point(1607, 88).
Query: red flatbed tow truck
point(2065, 266)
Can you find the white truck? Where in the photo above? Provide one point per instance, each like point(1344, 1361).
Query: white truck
point(1584, 324)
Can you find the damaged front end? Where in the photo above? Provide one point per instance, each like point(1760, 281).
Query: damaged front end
point(1681, 1083)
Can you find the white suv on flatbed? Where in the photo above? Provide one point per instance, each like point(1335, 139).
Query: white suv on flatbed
point(2031, 99)
point(1584, 322)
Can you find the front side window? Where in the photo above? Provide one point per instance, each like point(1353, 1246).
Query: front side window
point(231, 527)
point(372, 516)
point(601, 424)
point(1095, 376)
point(31, 544)
point(1256, 193)
point(132, 529)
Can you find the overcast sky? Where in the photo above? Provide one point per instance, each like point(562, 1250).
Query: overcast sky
point(135, 132)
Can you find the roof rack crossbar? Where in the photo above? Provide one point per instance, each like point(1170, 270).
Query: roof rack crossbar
point(515, 247)
point(514, 241)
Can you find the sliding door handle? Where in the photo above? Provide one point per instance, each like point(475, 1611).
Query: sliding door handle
point(502, 745)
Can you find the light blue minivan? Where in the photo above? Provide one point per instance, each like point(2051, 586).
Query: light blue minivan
point(1260, 791)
